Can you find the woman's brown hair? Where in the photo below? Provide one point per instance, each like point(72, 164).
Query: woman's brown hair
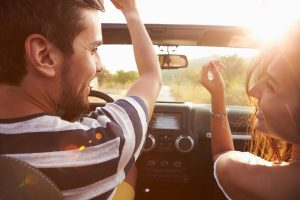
point(262, 145)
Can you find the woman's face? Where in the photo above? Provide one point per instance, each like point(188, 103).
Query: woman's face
point(276, 93)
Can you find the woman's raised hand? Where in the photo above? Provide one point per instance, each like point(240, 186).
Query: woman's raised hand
point(211, 78)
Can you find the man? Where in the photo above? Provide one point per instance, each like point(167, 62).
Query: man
point(48, 56)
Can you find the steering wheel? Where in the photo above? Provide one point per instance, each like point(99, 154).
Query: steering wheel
point(93, 93)
point(101, 95)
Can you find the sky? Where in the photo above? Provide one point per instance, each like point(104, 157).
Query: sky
point(217, 12)
point(190, 11)
point(267, 18)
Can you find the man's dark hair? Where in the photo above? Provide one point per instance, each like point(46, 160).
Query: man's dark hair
point(57, 20)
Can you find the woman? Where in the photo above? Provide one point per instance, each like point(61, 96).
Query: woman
point(272, 170)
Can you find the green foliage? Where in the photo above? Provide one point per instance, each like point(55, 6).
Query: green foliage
point(123, 77)
point(183, 83)
point(234, 78)
point(121, 80)
point(104, 76)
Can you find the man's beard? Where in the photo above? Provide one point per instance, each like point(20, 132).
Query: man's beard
point(71, 105)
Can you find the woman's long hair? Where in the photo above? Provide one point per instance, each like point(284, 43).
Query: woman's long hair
point(262, 145)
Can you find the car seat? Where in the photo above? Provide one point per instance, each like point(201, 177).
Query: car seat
point(19, 180)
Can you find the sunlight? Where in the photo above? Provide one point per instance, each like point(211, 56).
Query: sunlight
point(205, 12)
point(273, 20)
point(208, 12)
point(266, 19)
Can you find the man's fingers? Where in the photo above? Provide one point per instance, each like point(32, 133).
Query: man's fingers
point(123, 4)
point(115, 4)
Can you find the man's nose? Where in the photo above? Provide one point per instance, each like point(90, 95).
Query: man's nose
point(99, 64)
point(99, 67)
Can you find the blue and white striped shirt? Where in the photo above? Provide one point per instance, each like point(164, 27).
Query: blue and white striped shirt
point(86, 159)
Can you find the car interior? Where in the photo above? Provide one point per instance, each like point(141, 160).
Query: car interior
point(176, 161)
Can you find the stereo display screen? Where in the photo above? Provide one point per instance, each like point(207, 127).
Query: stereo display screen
point(166, 121)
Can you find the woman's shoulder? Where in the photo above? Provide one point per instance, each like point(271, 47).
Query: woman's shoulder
point(238, 157)
point(239, 173)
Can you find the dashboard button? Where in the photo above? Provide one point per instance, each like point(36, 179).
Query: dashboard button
point(163, 163)
point(177, 164)
point(150, 163)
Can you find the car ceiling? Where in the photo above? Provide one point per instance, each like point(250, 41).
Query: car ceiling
point(179, 35)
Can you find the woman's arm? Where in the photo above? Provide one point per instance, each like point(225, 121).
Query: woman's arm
point(221, 140)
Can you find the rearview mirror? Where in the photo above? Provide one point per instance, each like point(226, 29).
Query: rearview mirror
point(172, 61)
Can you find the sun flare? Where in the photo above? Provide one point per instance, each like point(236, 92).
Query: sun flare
point(273, 20)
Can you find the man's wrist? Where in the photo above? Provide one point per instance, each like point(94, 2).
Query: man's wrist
point(130, 13)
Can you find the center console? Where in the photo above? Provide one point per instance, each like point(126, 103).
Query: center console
point(168, 132)
point(167, 146)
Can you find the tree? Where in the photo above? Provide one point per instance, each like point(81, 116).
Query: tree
point(104, 77)
point(234, 79)
point(123, 77)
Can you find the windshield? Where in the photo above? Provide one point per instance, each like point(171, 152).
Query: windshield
point(180, 85)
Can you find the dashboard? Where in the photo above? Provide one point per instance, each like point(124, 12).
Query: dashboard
point(176, 161)
point(177, 153)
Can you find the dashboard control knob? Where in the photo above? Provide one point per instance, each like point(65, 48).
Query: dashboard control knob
point(184, 144)
point(149, 143)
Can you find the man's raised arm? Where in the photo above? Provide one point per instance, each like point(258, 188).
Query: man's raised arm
point(150, 81)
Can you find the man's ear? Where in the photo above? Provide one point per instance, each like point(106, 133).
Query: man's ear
point(41, 54)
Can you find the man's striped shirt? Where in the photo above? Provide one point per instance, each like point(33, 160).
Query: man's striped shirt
point(86, 159)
